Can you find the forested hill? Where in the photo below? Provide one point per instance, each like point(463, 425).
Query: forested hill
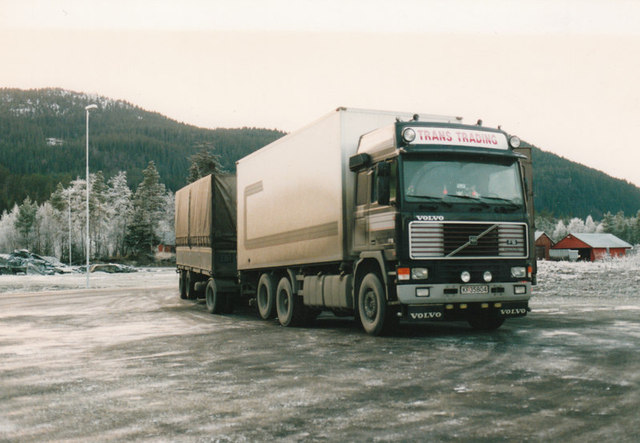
point(565, 188)
point(42, 143)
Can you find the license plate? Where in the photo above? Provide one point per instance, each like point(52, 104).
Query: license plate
point(482, 289)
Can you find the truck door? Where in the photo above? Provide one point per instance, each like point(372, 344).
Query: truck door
point(364, 182)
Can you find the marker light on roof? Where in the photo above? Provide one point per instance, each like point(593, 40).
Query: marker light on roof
point(514, 141)
point(408, 135)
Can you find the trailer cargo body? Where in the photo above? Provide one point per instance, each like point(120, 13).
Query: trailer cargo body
point(205, 224)
point(296, 199)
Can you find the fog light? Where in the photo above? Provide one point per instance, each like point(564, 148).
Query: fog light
point(465, 276)
point(487, 276)
point(404, 273)
point(518, 272)
point(519, 290)
point(408, 135)
point(422, 292)
point(419, 273)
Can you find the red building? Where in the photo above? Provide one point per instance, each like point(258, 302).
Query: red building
point(543, 244)
point(592, 247)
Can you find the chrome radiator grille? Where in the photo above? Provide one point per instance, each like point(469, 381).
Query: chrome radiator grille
point(467, 240)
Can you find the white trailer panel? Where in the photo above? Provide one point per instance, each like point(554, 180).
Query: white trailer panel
point(295, 195)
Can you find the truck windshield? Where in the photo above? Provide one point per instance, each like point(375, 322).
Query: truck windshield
point(468, 181)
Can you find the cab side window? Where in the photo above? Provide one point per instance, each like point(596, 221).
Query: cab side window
point(362, 188)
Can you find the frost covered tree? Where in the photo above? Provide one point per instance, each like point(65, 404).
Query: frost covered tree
point(560, 231)
point(166, 227)
point(118, 212)
point(8, 232)
point(575, 225)
point(590, 226)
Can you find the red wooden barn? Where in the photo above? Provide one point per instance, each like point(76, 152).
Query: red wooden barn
point(543, 244)
point(592, 247)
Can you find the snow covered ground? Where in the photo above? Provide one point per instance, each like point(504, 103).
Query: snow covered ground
point(145, 277)
point(618, 277)
point(137, 363)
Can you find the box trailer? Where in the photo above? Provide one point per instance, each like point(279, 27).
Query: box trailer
point(205, 225)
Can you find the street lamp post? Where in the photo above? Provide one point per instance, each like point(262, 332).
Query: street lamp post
point(87, 109)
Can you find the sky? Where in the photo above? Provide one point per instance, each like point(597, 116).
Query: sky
point(563, 75)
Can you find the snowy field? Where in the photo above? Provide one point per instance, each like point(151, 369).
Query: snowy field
point(555, 280)
point(592, 280)
point(144, 278)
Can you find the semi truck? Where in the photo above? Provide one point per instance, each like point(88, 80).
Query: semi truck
point(383, 216)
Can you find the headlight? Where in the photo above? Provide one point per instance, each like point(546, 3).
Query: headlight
point(514, 141)
point(518, 272)
point(487, 276)
point(465, 276)
point(408, 135)
point(419, 273)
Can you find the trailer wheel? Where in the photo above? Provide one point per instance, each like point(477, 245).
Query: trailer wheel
point(215, 300)
point(289, 307)
point(191, 286)
point(182, 285)
point(265, 297)
point(485, 322)
point(372, 306)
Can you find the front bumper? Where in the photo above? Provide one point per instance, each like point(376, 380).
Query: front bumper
point(408, 294)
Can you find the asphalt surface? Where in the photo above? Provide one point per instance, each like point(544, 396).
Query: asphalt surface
point(141, 364)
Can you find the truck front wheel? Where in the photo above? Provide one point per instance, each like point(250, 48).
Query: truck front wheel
point(289, 307)
point(265, 297)
point(372, 306)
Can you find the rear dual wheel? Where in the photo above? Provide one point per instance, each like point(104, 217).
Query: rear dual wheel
point(266, 297)
point(217, 303)
point(289, 306)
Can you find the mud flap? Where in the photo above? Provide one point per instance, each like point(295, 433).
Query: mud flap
point(512, 309)
point(422, 312)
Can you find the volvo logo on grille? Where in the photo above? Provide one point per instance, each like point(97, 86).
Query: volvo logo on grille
point(473, 240)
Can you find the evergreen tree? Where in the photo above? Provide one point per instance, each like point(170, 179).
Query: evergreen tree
point(26, 221)
point(203, 163)
point(147, 211)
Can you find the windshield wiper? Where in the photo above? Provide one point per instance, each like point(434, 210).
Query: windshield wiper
point(468, 197)
point(502, 200)
point(431, 198)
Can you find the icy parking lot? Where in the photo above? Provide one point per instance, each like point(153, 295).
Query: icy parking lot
point(129, 360)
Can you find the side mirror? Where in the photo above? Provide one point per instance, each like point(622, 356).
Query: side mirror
point(383, 171)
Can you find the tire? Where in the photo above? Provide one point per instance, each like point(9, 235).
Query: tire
point(485, 322)
point(372, 306)
point(191, 286)
point(288, 306)
point(215, 300)
point(182, 285)
point(266, 297)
